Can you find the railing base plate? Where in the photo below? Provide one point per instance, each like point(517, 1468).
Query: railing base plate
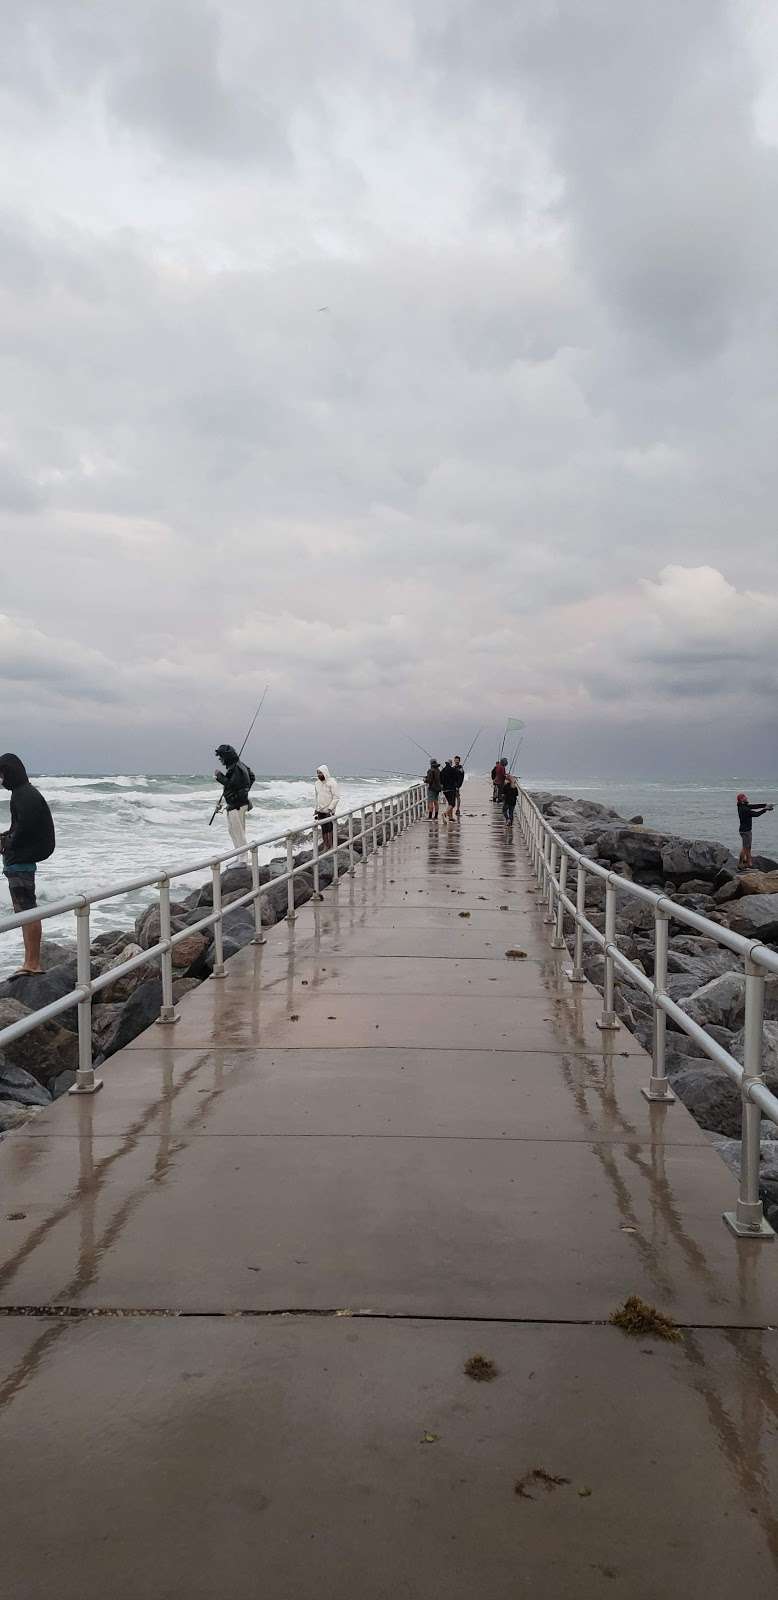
point(608, 1022)
point(764, 1233)
point(573, 976)
point(217, 973)
point(167, 1015)
point(86, 1088)
point(659, 1095)
point(259, 938)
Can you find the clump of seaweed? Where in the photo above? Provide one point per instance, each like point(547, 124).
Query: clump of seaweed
point(538, 1477)
point(516, 955)
point(481, 1369)
point(641, 1320)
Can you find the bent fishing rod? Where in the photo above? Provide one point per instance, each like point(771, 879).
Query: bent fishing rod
point(418, 746)
point(472, 747)
point(220, 801)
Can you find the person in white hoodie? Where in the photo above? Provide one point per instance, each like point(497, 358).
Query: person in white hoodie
point(326, 797)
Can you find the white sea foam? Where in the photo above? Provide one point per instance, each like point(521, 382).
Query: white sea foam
point(112, 828)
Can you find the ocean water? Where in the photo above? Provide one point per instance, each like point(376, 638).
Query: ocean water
point(111, 829)
point(693, 810)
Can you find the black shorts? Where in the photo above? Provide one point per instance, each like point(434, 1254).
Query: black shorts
point(22, 891)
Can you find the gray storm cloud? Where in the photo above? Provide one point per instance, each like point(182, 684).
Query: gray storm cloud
point(524, 460)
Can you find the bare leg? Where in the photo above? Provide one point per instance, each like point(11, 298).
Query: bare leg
point(31, 933)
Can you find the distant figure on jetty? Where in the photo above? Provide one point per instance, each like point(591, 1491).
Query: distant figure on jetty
point(450, 787)
point(29, 839)
point(499, 774)
point(236, 780)
point(326, 798)
point(433, 783)
point(459, 774)
point(510, 794)
point(745, 814)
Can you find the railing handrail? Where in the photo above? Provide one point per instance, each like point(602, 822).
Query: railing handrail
point(398, 810)
point(551, 856)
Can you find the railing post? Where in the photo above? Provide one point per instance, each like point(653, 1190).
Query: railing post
point(315, 846)
point(576, 973)
point(552, 864)
point(259, 937)
point(351, 844)
point(364, 836)
point(291, 915)
point(218, 927)
point(168, 1011)
point(375, 828)
point(543, 870)
point(558, 941)
point(609, 1021)
point(748, 1219)
point(658, 1086)
point(86, 1082)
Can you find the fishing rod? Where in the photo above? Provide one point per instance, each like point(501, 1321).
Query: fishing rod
point(472, 747)
point(418, 746)
point(515, 756)
point(220, 801)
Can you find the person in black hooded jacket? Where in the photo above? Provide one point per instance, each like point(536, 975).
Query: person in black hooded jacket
point(236, 780)
point(450, 786)
point(29, 839)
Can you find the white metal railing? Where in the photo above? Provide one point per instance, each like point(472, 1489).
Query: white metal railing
point(380, 820)
point(552, 859)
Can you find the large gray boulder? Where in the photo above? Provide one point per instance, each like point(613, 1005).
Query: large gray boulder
point(704, 965)
point(138, 1013)
point(57, 954)
point(639, 847)
point(755, 916)
point(39, 989)
point(721, 1001)
point(20, 1086)
point(43, 1053)
point(105, 1021)
point(769, 1051)
point(710, 1095)
point(633, 916)
point(695, 858)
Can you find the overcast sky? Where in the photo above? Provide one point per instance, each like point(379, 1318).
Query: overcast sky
point(523, 463)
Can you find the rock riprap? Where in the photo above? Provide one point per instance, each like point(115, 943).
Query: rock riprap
point(704, 978)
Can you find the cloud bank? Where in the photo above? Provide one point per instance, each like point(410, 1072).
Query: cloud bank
point(412, 360)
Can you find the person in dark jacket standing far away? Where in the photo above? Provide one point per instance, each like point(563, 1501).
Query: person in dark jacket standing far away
point(450, 787)
point(432, 781)
point(459, 773)
point(745, 818)
point(29, 839)
point(236, 780)
point(510, 794)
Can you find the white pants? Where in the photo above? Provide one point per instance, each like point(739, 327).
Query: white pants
point(236, 822)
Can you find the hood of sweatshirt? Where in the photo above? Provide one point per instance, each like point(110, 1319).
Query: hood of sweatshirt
point(13, 772)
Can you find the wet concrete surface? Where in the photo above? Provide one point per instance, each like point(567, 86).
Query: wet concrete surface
point(376, 1148)
point(318, 1458)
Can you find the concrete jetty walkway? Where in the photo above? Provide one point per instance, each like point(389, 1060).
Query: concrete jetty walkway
point(238, 1288)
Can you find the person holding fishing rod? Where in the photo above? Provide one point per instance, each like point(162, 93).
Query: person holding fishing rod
point(236, 781)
